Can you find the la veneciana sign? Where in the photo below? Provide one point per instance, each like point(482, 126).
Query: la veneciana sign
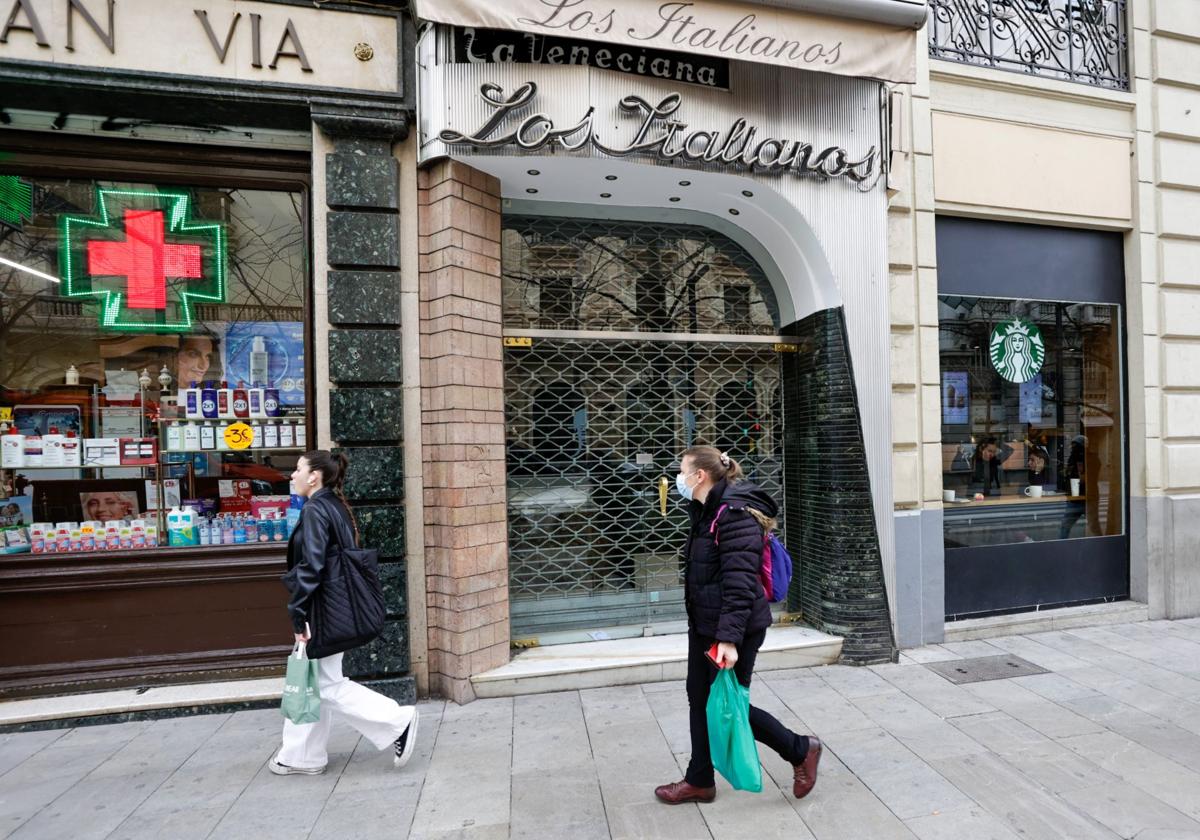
point(491, 46)
point(238, 40)
point(741, 146)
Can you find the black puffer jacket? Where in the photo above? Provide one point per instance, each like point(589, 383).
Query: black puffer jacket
point(313, 545)
point(725, 598)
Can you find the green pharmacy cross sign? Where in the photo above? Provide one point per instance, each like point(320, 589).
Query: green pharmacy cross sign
point(1017, 350)
point(144, 258)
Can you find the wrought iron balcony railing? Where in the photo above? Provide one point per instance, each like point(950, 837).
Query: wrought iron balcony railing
point(1078, 40)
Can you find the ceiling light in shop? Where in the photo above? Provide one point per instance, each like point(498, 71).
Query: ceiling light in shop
point(606, 195)
point(673, 198)
point(610, 177)
point(534, 172)
point(685, 183)
point(530, 190)
point(733, 212)
point(747, 193)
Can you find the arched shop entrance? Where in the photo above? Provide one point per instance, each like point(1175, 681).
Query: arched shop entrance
point(628, 341)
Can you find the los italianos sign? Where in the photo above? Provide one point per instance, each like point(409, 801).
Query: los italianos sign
point(720, 28)
point(233, 40)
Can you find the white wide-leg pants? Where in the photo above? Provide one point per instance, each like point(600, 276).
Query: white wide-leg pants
point(380, 719)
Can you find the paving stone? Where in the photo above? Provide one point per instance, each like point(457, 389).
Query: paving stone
point(905, 783)
point(1026, 808)
point(632, 758)
point(474, 743)
point(840, 798)
point(930, 653)
point(1143, 768)
point(1129, 812)
point(1039, 653)
point(933, 691)
point(972, 649)
point(853, 682)
point(54, 770)
point(17, 747)
point(822, 708)
point(971, 821)
point(1046, 717)
point(97, 804)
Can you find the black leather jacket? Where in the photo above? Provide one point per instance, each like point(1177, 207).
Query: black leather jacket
point(725, 598)
point(323, 521)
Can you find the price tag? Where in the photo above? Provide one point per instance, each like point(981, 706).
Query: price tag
point(239, 436)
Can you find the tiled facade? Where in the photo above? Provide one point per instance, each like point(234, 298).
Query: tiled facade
point(462, 414)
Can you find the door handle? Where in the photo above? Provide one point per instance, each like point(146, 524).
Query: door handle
point(663, 487)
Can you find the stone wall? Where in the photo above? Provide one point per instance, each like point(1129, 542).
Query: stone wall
point(462, 387)
point(361, 334)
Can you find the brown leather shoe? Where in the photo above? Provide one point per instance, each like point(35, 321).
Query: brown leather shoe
point(679, 792)
point(804, 774)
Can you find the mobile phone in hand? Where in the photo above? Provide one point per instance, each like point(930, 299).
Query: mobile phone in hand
point(712, 654)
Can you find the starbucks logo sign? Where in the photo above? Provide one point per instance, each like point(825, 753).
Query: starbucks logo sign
point(1017, 350)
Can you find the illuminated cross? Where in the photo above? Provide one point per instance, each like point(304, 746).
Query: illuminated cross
point(144, 259)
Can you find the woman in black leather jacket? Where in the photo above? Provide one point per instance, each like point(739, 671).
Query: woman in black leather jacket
point(726, 605)
point(325, 521)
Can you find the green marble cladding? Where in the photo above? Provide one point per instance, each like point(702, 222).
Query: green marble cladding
point(369, 240)
point(355, 179)
point(395, 588)
point(364, 355)
point(382, 527)
point(376, 472)
point(364, 297)
point(365, 414)
point(386, 656)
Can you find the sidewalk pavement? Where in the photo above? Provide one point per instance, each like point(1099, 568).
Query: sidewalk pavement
point(1105, 745)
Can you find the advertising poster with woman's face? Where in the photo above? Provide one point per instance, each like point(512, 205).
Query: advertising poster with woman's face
point(109, 505)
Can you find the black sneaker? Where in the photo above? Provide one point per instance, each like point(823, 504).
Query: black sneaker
point(406, 743)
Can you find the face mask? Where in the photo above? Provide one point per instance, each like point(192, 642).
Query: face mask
point(682, 486)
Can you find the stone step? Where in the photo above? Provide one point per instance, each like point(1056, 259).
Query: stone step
point(134, 703)
point(1063, 618)
point(640, 660)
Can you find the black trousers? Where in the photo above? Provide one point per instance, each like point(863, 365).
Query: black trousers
point(701, 673)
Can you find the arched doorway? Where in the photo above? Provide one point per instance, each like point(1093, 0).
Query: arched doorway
point(626, 342)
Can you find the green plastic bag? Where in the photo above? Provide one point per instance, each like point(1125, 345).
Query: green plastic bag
point(301, 696)
point(734, 751)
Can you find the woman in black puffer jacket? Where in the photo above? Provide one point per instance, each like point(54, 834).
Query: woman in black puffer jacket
point(726, 605)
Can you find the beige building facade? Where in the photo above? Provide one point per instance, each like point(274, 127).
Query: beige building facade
point(979, 143)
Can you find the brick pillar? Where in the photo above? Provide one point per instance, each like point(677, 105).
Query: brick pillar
point(462, 409)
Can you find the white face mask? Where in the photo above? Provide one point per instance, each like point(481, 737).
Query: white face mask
point(682, 486)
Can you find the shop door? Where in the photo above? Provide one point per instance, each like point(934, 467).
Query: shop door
point(596, 418)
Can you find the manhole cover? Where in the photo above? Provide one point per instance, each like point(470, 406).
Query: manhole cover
point(983, 668)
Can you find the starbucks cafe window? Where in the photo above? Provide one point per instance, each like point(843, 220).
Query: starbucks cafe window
point(1032, 421)
point(153, 374)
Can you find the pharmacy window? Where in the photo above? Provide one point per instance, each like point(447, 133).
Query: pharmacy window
point(153, 372)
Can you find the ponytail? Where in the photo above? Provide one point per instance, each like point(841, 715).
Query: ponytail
point(333, 466)
point(714, 462)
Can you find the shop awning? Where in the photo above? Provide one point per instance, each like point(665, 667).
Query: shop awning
point(767, 34)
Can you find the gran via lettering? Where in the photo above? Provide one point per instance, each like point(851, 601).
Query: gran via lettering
point(676, 25)
point(661, 135)
point(22, 21)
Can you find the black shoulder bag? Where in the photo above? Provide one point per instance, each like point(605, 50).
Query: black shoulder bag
point(347, 608)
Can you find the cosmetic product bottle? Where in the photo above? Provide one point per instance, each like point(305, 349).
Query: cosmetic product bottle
point(241, 402)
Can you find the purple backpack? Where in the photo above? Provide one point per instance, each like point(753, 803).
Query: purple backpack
point(775, 570)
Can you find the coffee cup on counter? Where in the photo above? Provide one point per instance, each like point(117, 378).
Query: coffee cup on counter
point(1074, 486)
point(1034, 491)
point(947, 495)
